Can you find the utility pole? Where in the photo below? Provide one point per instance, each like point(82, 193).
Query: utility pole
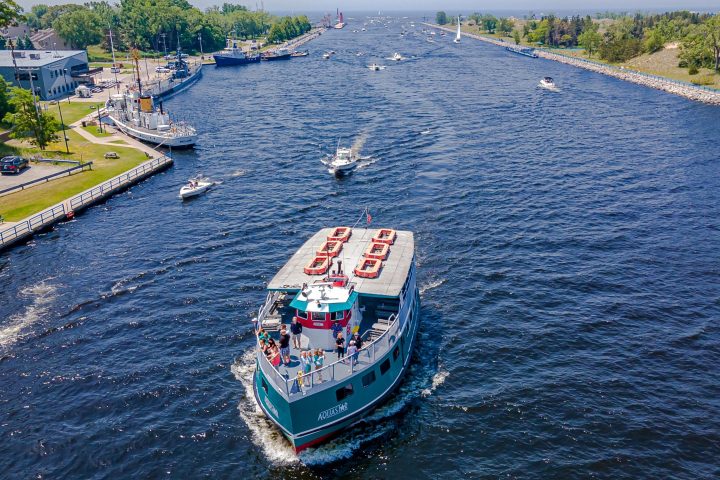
point(62, 122)
point(66, 84)
point(202, 56)
point(12, 53)
point(164, 46)
point(35, 105)
point(114, 68)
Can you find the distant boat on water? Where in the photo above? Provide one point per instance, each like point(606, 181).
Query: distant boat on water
point(527, 51)
point(457, 37)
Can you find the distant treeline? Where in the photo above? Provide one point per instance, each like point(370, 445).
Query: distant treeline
point(160, 24)
point(618, 37)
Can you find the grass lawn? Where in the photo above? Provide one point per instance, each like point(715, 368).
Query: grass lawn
point(93, 130)
point(19, 205)
point(71, 112)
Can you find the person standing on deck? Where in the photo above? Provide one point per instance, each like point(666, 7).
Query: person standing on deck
point(352, 352)
point(284, 346)
point(336, 329)
point(358, 340)
point(340, 344)
point(319, 359)
point(296, 330)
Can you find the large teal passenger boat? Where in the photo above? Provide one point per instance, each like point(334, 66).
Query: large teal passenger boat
point(378, 299)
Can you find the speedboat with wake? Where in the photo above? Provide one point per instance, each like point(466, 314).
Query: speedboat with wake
point(377, 308)
point(547, 83)
point(195, 186)
point(375, 67)
point(343, 163)
point(396, 57)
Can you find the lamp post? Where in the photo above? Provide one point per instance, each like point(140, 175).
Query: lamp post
point(202, 56)
point(66, 84)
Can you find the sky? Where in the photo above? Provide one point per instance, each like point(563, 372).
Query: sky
point(461, 6)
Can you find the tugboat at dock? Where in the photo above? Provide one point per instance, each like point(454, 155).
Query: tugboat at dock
point(376, 306)
point(278, 54)
point(232, 55)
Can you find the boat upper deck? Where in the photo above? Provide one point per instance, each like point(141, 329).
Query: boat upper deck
point(389, 283)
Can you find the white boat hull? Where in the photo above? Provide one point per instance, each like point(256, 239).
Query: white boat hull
point(184, 141)
point(189, 192)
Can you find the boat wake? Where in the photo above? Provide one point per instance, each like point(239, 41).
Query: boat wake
point(42, 296)
point(429, 286)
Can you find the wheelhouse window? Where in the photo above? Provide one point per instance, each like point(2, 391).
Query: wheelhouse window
point(337, 315)
point(320, 316)
point(344, 392)
point(301, 314)
point(368, 379)
point(385, 366)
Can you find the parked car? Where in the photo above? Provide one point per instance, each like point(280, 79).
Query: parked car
point(13, 164)
point(114, 69)
point(162, 70)
point(112, 155)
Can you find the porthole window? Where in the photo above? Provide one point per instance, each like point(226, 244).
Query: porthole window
point(368, 379)
point(344, 392)
point(385, 366)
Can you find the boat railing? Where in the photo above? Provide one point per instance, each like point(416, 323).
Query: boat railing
point(338, 370)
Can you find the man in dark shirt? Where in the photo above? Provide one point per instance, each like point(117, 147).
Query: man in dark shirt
point(296, 330)
point(284, 345)
point(340, 344)
point(358, 340)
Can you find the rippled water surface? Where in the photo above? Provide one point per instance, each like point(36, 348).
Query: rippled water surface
point(568, 264)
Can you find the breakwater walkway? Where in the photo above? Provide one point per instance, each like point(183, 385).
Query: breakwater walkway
point(304, 38)
point(687, 90)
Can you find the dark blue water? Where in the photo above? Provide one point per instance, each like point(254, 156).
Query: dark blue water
point(568, 261)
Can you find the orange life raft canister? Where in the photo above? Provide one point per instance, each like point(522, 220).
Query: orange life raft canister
point(385, 235)
point(317, 266)
point(368, 268)
point(377, 250)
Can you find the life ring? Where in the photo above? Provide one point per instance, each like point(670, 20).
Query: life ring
point(330, 248)
point(377, 250)
point(385, 235)
point(340, 234)
point(368, 268)
point(317, 266)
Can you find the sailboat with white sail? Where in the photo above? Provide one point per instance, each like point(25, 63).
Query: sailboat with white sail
point(457, 36)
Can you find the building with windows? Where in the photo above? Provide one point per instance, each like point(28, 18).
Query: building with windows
point(54, 73)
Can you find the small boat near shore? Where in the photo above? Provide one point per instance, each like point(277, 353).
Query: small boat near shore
point(304, 53)
point(232, 55)
point(195, 186)
point(396, 57)
point(278, 54)
point(375, 67)
point(457, 37)
point(548, 84)
point(526, 51)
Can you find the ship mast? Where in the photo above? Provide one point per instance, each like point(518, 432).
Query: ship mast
point(136, 59)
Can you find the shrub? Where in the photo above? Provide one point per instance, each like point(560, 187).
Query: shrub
point(693, 70)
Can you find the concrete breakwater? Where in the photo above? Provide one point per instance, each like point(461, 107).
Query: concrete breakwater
point(692, 92)
point(304, 38)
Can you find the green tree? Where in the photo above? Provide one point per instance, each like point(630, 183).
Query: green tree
point(441, 18)
point(712, 38)
point(9, 12)
point(516, 37)
point(4, 104)
point(28, 43)
point(3, 43)
point(39, 127)
point(505, 26)
point(590, 40)
point(489, 23)
point(654, 41)
point(79, 28)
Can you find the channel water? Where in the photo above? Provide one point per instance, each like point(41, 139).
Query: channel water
point(567, 245)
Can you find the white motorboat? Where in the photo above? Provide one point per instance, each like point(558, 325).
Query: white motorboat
point(326, 56)
point(195, 186)
point(396, 57)
point(343, 162)
point(547, 83)
point(457, 37)
point(375, 67)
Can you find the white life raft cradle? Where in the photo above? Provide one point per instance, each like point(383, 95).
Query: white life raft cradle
point(324, 304)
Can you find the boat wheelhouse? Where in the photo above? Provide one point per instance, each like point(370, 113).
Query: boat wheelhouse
point(312, 405)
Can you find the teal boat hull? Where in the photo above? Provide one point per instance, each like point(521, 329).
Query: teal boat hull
point(312, 419)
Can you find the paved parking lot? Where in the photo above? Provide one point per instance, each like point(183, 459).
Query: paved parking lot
point(36, 170)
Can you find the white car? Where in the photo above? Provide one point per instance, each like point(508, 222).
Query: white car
point(162, 70)
point(114, 69)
